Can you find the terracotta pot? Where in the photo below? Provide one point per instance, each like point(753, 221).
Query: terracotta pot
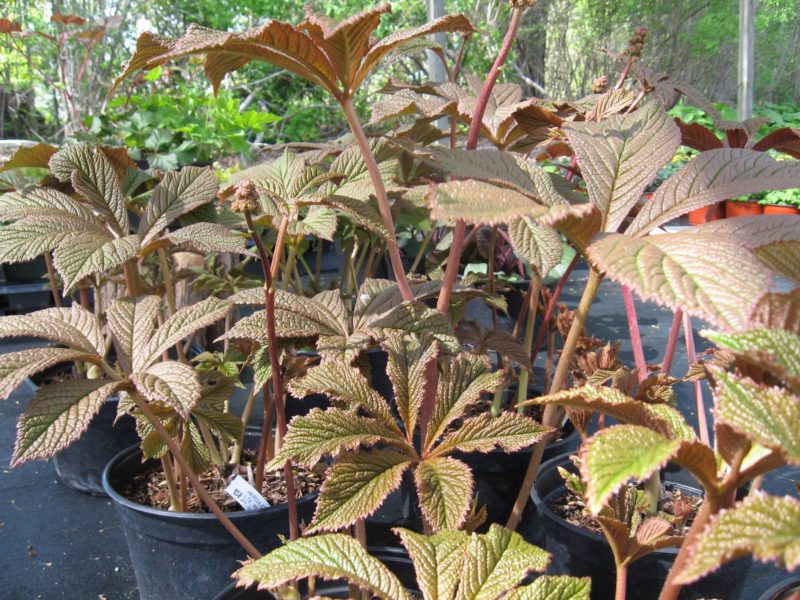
point(742, 209)
point(707, 213)
point(780, 209)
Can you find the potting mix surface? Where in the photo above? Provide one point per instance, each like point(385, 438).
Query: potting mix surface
point(57, 543)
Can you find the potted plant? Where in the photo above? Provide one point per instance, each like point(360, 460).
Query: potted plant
point(781, 202)
point(744, 206)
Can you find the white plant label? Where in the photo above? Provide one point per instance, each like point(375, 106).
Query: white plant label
point(245, 494)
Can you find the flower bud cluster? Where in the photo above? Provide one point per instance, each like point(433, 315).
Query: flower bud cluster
point(636, 44)
point(245, 198)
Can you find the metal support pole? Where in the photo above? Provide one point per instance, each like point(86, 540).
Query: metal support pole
point(747, 34)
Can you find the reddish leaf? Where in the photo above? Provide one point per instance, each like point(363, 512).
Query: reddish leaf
point(783, 140)
point(7, 26)
point(67, 19)
point(697, 136)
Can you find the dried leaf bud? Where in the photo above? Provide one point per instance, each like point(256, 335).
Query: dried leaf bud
point(528, 3)
point(600, 85)
point(636, 43)
point(245, 198)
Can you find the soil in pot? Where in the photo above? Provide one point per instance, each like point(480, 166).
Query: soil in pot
point(707, 213)
point(581, 552)
point(185, 556)
point(780, 209)
point(735, 208)
point(396, 559)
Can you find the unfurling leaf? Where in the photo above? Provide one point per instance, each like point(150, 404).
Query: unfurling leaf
point(171, 383)
point(767, 527)
point(438, 561)
point(356, 486)
point(407, 363)
point(331, 556)
point(497, 562)
point(319, 433)
point(57, 416)
point(80, 255)
point(509, 431)
point(687, 271)
point(132, 322)
point(444, 486)
point(621, 155)
point(553, 587)
point(15, 367)
point(75, 327)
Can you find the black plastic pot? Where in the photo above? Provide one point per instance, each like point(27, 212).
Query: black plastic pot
point(782, 590)
point(394, 558)
point(579, 552)
point(187, 556)
point(80, 465)
point(498, 474)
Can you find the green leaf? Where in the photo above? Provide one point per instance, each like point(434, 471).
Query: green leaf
point(80, 255)
point(461, 383)
point(93, 176)
point(550, 587)
point(539, 245)
point(773, 349)
point(171, 383)
point(208, 237)
point(319, 433)
point(416, 318)
point(356, 486)
point(30, 237)
point(75, 327)
point(480, 203)
point(407, 364)
point(497, 562)
point(687, 271)
point(768, 527)
point(133, 322)
point(43, 201)
point(345, 383)
point(713, 176)
point(444, 486)
point(178, 193)
point(509, 431)
point(15, 367)
point(621, 155)
point(768, 416)
point(438, 560)
point(225, 426)
point(194, 448)
point(331, 556)
point(36, 156)
point(58, 415)
point(181, 325)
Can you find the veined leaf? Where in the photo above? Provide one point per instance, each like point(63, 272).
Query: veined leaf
point(444, 485)
point(361, 211)
point(713, 176)
point(295, 316)
point(623, 452)
point(768, 527)
point(487, 165)
point(80, 255)
point(480, 203)
point(178, 193)
point(172, 383)
point(415, 318)
point(509, 431)
point(33, 236)
point(497, 562)
point(408, 360)
point(75, 327)
point(776, 310)
point(552, 587)
point(460, 385)
point(15, 367)
point(320, 222)
point(94, 177)
point(57, 416)
point(133, 322)
point(686, 271)
point(194, 448)
point(356, 486)
point(345, 383)
point(438, 560)
point(539, 245)
point(378, 297)
point(181, 325)
point(208, 237)
point(767, 416)
point(331, 556)
point(43, 201)
point(36, 156)
point(224, 425)
point(319, 433)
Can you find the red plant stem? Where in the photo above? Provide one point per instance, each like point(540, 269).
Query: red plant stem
point(131, 281)
point(274, 359)
point(199, 489)
point(453, 76)
point(672, 341)
point(86, 300)
point(51, 277)
point(624, 75)
point(551, 307)
point(636, 335)
point(266, 436)
point(383, 199)
point(451, 272)
point(622, 582)
point(702, 423)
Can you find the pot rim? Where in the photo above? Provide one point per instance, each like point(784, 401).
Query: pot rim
point(541, 505)
point(118, 498)
point(780, 587)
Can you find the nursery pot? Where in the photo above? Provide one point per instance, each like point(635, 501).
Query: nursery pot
point(186, 556)
point(395, 559)
point(707, 213)
point(582, 553)
point(742, 209)
point(780, 209)
point(782, 590)
point(80, 465)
